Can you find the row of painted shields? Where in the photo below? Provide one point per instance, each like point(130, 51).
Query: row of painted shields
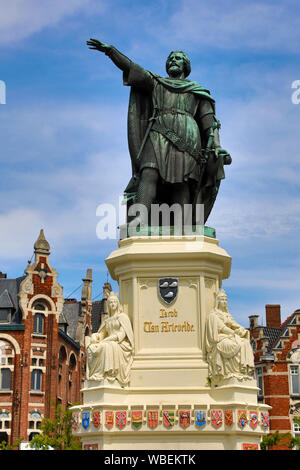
point(217, 417)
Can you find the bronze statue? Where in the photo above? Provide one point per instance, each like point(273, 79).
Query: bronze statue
point(173, 135)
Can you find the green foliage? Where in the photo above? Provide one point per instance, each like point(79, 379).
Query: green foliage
point(14, 446)
point(280, 439)
point(56, 432)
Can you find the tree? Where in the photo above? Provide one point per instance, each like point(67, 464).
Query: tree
point(56, 432)
point(281, 439)
point(14, 446)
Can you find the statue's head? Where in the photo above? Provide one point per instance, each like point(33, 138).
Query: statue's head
point(176, 60)
point(221, 300)
point(113, 302)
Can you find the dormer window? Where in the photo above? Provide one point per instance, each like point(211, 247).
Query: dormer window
point(6, 307)
point(5, 315)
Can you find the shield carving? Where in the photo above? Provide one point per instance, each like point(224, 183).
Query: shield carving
point(121, 419)
point(216, 417)
point(75, 421)
point(168, 418)
point(184, 418)
point(200, 418)
point(137, 418)
point(228, 417)
point(253, 419)
point(109, 419)
point(168, 289)
point(152, 419)
point(85, 419)
point(242, 418)
point(264, 419)
point(96, 419)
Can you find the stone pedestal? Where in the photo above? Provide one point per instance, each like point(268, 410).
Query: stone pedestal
point(169, 374)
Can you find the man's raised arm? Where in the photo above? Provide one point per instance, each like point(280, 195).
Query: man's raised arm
point(120, 60)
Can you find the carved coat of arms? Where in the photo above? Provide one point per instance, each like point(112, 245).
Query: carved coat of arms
point(96, 419)
point(137, 419)
point(109, 419)
point(216, 417)
point(242, 418)
point(152, 419)
point(253, 421)
point(85, 419)
point(200, 418)
point(264, 415)
point(168, 418)
point(184, 418)
point(75, 421)
point(121, 419)
point(228, 418)
point(168, 289)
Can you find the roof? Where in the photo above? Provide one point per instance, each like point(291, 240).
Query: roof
point(70, 313)
point(5, 300)
point(97, 312)
point(11, 287)
point(274, 334)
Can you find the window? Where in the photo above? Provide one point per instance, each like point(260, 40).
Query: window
point(5, 379)
point(38, 323)
point(35, 419)
point(296, 429)
point(259, 381)
point(5, 315)
point(294, 377)
point(36, 380)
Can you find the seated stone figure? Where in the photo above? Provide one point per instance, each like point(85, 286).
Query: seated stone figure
point(109, 351)
point(229, 353)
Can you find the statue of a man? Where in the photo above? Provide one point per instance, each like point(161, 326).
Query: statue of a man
point(173, 134)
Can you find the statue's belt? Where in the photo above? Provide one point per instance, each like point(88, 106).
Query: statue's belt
point(174, 111)
point(177, 141)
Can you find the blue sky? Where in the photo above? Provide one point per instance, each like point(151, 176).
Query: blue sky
point(63, 133)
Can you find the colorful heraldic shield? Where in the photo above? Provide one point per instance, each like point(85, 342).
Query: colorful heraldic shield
point(109, 419)
point(264, 419)
point(96, 419)
point(200, 418)
point(121, 419)
point(137, 419)
point(228, 418)
point(216, 417)
point(75, 421)
point(253, 419)
point(85, 419)
point(168, 418)
point(242, 418)
point(184, 418)
point(249, 446)
point(152, 419)
point(90, 447)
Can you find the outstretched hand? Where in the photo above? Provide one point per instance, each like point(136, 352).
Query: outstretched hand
point(98, 45)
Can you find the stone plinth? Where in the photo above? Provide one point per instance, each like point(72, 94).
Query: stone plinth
point(169, 374)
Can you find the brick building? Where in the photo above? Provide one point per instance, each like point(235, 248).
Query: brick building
point(276, 348)
point(42, 352)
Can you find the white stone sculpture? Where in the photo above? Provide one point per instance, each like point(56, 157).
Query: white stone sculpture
point(229, 353)
point(109, 351)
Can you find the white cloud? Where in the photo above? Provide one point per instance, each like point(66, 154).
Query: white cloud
point(21, 18)
point(236, 25)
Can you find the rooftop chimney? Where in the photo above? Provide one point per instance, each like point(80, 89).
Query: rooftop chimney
point(273, 316)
